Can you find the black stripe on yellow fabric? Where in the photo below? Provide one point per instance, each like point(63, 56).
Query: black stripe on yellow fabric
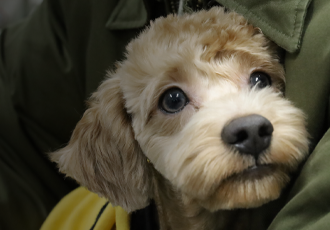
point(99, 215)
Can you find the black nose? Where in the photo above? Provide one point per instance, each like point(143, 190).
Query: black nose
point(249, 135)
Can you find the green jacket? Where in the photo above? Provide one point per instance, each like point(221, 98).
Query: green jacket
point(52, 61)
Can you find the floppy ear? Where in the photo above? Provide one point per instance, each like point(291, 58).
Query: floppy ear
point(103, 154)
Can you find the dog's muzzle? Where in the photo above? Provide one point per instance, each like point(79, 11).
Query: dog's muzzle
point(250, 134)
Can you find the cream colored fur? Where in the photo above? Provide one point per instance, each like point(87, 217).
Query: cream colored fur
point(210, 56)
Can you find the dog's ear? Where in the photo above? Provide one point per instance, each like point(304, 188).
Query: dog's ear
point(103, 154)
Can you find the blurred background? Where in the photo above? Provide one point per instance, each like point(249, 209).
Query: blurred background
point(12, 11)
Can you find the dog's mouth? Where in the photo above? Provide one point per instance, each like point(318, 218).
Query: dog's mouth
point(254, 172)
point(248, 188)
point(258, 171)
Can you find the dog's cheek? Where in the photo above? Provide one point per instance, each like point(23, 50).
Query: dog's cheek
point(290, 142)
point(159, 128)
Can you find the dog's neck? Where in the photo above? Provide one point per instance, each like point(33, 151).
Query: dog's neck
point(175, 214)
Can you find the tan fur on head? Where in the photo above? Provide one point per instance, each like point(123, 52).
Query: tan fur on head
point(210, 56)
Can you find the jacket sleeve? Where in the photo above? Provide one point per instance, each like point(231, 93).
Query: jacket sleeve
point(40, 100)
point(44, 72)
point(49, 65)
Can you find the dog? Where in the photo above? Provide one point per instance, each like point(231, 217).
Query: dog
point(195, 119)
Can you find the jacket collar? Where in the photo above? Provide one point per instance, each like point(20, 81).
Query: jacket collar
point(128, 14)
point(282, 20)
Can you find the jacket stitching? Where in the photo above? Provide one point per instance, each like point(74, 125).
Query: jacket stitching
point(267, 24)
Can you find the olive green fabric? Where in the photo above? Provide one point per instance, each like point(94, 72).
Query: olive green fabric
point(282, 21)
point(49, 65)
point(51, 62)
point(127, 15)
point(309, 86)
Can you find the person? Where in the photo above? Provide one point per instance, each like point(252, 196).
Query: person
point(51, 62)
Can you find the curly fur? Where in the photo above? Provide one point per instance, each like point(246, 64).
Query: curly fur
point(210, 56)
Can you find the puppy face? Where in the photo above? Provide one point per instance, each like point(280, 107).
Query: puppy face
point(184, 81)
point(210, 66)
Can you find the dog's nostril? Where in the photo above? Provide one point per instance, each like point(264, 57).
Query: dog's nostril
point(249, 135)
point(265, 130)
point(240, 136)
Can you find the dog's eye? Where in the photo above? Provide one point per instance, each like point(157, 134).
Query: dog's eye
point(260, 80)
point(173, 100)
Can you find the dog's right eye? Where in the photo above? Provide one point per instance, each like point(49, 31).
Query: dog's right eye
point(260, 80)
point(173, 100)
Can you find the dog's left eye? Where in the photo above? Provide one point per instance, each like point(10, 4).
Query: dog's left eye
point(260, 79)
point(173, 100)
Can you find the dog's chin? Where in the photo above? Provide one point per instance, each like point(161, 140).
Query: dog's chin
point(250, 188)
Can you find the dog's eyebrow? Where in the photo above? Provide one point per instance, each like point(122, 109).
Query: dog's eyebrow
point(262, 61)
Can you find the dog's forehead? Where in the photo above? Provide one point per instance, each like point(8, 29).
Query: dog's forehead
point(201, 36)
point(207, 32)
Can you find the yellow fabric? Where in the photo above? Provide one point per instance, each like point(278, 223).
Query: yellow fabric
point(79, 210)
